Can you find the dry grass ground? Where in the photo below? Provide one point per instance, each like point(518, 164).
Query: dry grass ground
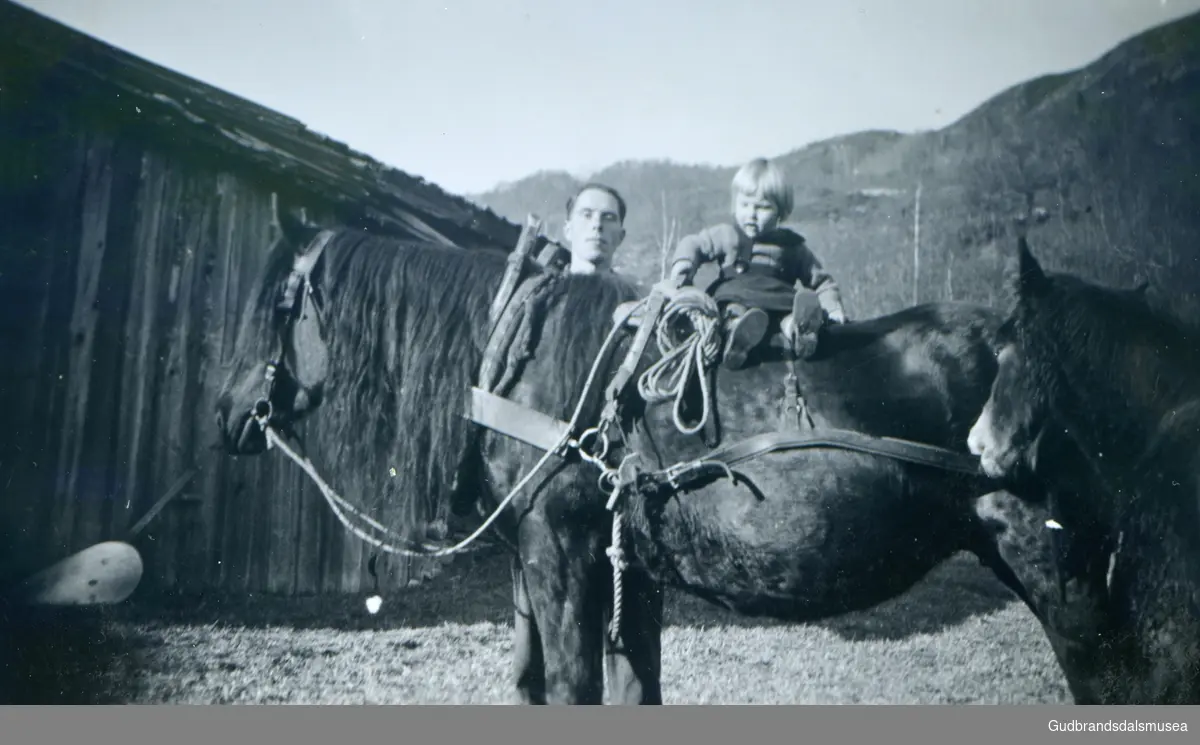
point(958, 637)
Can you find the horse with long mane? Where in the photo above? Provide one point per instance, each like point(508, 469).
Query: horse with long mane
point(1094, 419)
point(808, 488)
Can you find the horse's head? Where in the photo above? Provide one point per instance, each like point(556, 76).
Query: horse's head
point(1009, 432)
point(281, 357)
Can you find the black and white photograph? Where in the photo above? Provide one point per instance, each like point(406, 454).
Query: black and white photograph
point(401, 352)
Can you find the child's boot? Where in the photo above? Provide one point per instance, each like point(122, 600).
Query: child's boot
point(744, 329)
point(803, 325)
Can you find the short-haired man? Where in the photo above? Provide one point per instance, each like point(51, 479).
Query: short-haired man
point(594, 228)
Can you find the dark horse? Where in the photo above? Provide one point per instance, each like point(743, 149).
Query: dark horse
point(393, 339)
point(1094, 424)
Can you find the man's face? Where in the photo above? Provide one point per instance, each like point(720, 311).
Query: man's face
point(594, 231)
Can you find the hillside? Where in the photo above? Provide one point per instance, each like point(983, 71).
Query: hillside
point(1103, 159)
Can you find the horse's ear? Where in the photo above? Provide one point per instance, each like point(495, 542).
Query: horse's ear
point(294, 223)
point(1025, 275)
point(309, 253)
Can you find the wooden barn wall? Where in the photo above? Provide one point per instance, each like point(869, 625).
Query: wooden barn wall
point(122, 276)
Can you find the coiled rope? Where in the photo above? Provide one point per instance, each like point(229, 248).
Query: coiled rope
point(681, 358)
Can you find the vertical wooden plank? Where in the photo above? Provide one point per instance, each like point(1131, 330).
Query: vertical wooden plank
point(286, 495)
point(310, 535)
point(137, 384)
point(164, 461)
point(228, 489)
point(270, 498)
point(333, 553)
point(102, 455)
point(231, 504)
point(247, 225)
point(77, 480)
point(203, 552)
point(52, 335)
point(282, 527)
point(175, 396)
point(354, 562)
point(41, 221)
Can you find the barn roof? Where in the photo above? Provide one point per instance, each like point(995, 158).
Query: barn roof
point(45, 63)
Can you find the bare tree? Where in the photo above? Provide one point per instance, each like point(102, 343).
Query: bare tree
point(917, 243)
point(667, 238)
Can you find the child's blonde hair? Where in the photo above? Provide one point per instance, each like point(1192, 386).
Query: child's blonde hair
point(761, 176)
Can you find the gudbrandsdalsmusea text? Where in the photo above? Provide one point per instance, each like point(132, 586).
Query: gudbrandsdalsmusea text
point(1125, 725)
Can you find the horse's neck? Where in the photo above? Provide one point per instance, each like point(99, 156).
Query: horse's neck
point(1113, 416)
point(1148, 466)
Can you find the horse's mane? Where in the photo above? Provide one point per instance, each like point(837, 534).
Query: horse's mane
point(1118, 350)
point(407, 324)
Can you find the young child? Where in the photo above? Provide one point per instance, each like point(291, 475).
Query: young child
point(763, 267)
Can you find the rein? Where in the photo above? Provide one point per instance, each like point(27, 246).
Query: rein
point(299, 280)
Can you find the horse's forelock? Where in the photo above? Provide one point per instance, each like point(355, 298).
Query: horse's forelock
point(257, 337)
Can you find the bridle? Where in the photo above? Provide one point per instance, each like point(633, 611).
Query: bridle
point(297, 285)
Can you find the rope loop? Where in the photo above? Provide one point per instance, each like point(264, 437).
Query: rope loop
point(689, 338)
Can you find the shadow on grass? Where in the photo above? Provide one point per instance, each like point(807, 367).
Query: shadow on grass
point(477, 589)
point(955, 592)
point(62, 656)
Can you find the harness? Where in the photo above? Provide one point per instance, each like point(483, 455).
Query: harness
point(491, 409)
point(515, 316)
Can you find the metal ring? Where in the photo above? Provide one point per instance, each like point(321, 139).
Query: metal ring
point(607, 481)
point(262, 410)
point(601, 437)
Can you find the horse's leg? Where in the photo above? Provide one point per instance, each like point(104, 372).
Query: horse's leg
point(559, 569)
point(529, 667)
point(634, 662)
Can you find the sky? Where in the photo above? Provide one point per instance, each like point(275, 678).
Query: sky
point(471, 94)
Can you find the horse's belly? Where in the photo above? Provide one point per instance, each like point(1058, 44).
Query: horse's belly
point(801, 535)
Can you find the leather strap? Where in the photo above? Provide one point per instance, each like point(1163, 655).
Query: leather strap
point(302, 266)
point(544, 432)
point(653, 309)
point(516, 421)
point(506, 327)
point(515, 266)
point(912, 452)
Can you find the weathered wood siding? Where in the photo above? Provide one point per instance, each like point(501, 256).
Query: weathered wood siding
point(122, 273)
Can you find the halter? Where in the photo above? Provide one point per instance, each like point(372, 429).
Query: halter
point(298, 282)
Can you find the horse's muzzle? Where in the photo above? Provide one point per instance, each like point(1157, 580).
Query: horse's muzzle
point(241, 433)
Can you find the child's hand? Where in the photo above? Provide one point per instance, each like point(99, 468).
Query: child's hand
point(669, 286)
point(837, 316)
point(726, 240)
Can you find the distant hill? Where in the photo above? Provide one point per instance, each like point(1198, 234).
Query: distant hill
point(1101, 162)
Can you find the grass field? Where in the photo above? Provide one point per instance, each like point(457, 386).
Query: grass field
point(958, 637)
